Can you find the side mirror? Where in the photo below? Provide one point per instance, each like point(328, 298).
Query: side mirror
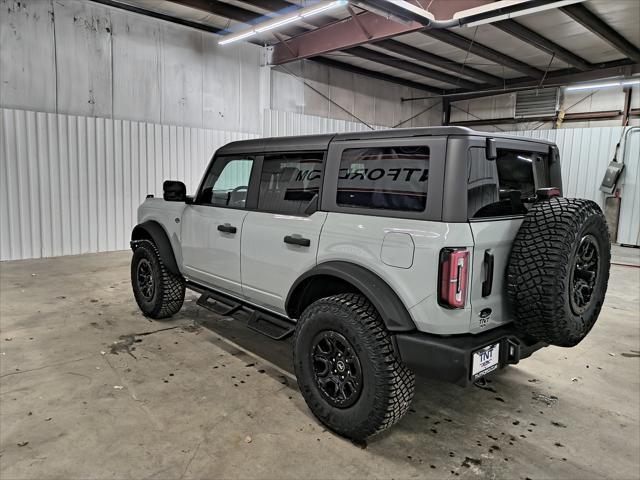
point(491, 149)
point(174, 191)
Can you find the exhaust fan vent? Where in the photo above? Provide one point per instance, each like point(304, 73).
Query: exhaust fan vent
point(536, 103)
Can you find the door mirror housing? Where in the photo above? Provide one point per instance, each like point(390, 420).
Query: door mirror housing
point(491, 149)
point(174, 191)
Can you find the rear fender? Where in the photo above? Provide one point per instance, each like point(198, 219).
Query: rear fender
point(394, 314)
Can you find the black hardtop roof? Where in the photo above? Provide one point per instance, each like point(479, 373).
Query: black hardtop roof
point(321, 142)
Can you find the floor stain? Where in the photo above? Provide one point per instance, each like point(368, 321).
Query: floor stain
point(547, 399)
point(633, 354)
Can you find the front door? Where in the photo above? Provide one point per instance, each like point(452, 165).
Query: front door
point(212, 226)
point(280, 239)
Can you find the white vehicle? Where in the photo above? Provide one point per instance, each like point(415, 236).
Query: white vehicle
point(443, 252)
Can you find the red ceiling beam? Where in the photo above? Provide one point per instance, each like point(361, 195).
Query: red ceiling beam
point(365, 27)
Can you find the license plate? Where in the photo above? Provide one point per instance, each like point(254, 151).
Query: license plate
point(485, 360)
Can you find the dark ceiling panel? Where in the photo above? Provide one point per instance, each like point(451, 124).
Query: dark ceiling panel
point(595, 24)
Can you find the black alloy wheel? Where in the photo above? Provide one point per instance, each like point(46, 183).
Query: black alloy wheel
point(145, 279)
point(584, 274)
point(336, 369)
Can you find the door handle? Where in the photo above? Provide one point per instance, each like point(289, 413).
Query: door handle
point(227, 228)
point(487, 284)
point(304, 242)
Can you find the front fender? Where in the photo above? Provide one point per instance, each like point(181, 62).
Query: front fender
point(151, 230)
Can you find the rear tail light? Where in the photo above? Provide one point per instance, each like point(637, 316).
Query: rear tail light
point(454, 263)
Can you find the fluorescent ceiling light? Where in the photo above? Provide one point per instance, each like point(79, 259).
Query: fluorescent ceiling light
point(282, 20)
point(323, 8)
point(279, 23)
point(594, 86)
point(232, 38)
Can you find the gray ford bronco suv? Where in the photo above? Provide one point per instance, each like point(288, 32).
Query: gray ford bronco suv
point(442, 252)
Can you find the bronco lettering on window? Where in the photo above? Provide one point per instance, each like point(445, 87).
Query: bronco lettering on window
point(390, 178)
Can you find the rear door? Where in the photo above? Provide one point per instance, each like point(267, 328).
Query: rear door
point(280, 239)
point(499, 194)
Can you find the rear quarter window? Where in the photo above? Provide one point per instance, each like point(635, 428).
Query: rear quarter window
point(506, 186)
point(386, 178)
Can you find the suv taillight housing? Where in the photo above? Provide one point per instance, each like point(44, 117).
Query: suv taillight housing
point(453, 277)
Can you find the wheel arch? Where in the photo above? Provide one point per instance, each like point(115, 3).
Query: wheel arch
point(151, 230)
point(335, 277)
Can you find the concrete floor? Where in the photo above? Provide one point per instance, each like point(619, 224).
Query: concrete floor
point(199, 396)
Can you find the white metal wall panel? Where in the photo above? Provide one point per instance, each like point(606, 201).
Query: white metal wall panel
point(628, 228)
point(584, 156)
point(280, 123)
point(72, 184)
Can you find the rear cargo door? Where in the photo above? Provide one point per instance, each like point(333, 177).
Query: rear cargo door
point(499, 194)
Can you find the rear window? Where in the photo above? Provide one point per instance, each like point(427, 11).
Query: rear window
point(506, 186)
point(289, 182)
point(386, 178)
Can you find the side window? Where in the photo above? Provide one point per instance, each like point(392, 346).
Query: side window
point(227, 183)
point(389, 178)
point(506, 186)
point(289, 182)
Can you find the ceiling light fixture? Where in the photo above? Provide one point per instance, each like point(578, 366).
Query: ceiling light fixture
point(595, 86)
point(282, 20)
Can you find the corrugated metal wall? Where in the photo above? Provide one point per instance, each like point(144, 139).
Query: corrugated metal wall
point(277, 124)
point(584, 155)
point(72, 184)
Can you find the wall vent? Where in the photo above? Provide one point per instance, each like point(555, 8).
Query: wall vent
point(536, 103)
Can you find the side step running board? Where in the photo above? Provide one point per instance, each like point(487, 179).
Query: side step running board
point(270, 325)
point(218, 304)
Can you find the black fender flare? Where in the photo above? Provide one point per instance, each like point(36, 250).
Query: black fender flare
point(155, 232)
point(394, 314)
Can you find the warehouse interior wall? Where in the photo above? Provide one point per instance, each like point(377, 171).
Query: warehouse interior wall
point(81, 58)
point(98, 106)
point(581, 101)
point(313, 89)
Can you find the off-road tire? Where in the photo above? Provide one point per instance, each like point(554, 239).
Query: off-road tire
point(169, 288)
point(539, 273)
point(387, 384)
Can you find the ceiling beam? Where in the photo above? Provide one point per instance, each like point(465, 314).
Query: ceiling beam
point(568, 117)
point(350, 32)
point(159, 16)
point(490, 54)
point(245, 16)
point(377, 75)
point(325, 61)
point(595, 24)
point(438, 61)
point(536, 40)
point(397, 47)
point(615, 69)
point(234, 13)
point(395, 62)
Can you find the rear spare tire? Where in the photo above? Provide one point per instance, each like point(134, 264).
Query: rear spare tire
point(558, 270)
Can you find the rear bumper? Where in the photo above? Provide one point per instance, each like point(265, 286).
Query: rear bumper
point(448, 358)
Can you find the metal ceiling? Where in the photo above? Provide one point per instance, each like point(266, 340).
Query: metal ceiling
point(583, 41)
